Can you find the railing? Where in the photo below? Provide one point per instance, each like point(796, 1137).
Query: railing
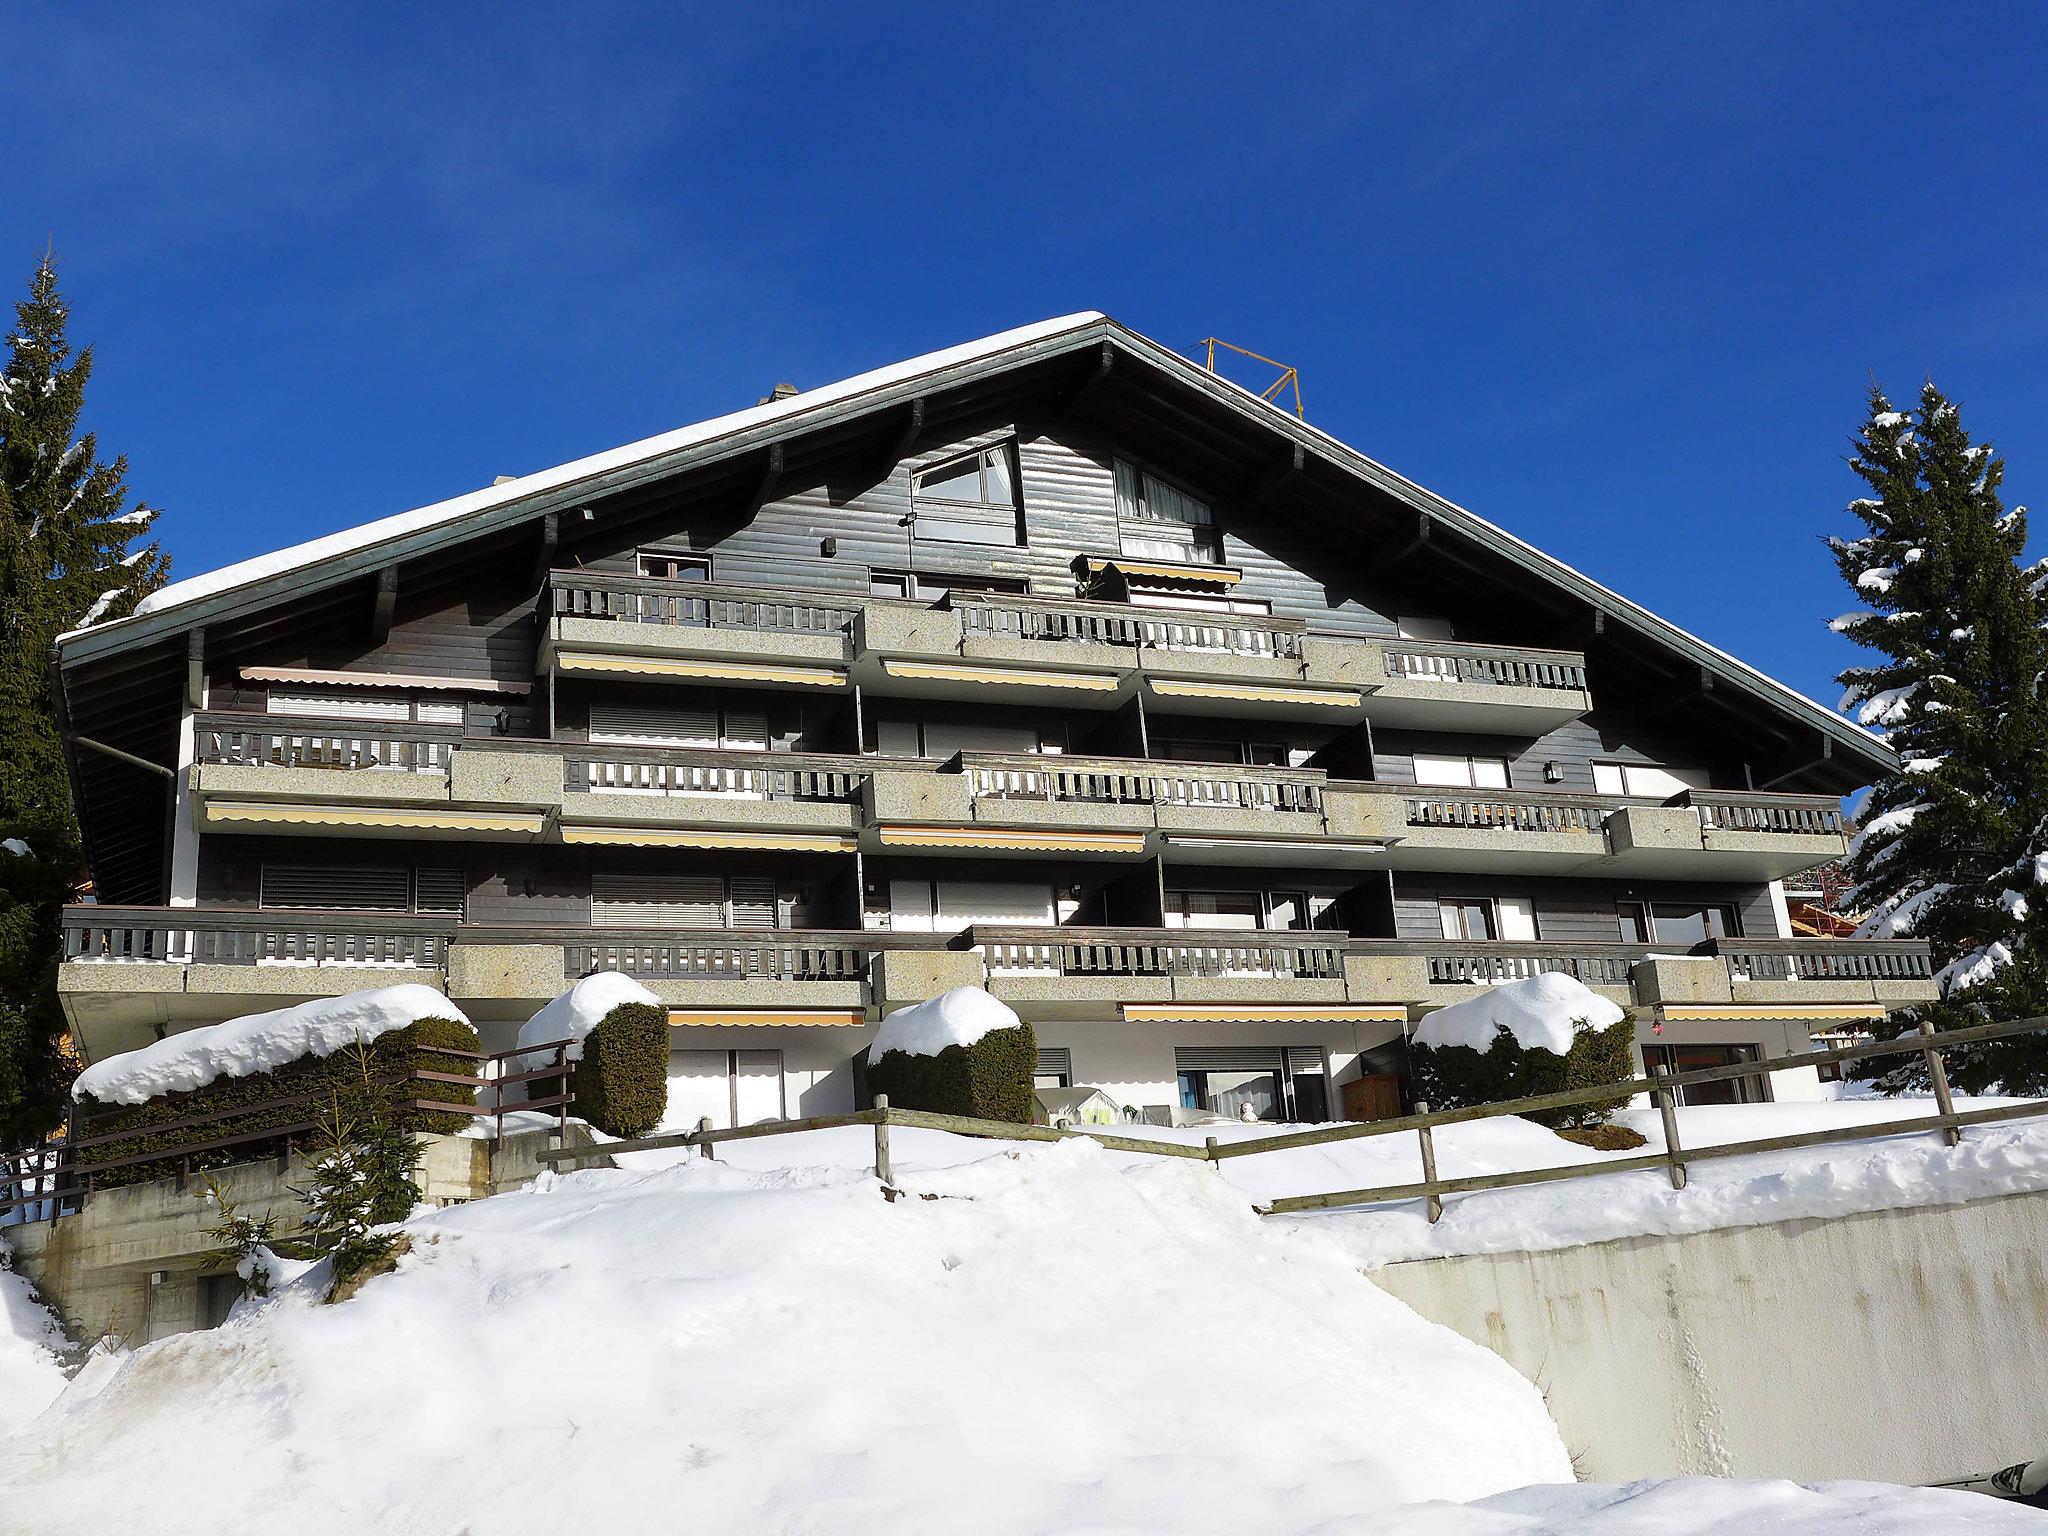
point(212, 936)
point(690, 771)
point(1506, 810)
point(1873, 960)
point(721, 955)
point(39, 1185)
point(1035, 619)
point(296, 741)
point(697, 604)
point(1724, 810)
point(1126, 781)
point(1188, 952)
point(1455, 961)
point(1444, 661)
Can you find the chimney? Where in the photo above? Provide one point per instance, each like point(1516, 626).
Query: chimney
point(779, 392)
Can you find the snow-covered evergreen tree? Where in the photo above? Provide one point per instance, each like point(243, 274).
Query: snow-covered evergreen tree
point(1951, 846)
point(69, 555)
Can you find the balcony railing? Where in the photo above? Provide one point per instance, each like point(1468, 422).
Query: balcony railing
point(708, 771)
point(294, 741)
point(1750, 811)
point(1873, 960)
point(726, 955)
point(1455, 961)
point(697, 604)
point(1057, 622)
point(1191, 952)
point(1444, 661)
point(203, 936)
point(1127, 781)
point(1511, 810)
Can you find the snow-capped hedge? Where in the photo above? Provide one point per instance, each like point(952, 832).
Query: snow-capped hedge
point(236, 1092)
point(960, 1053)
point(620, 1030)
point(1543, 1034)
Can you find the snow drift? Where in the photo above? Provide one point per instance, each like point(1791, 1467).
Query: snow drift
point(30, 1339)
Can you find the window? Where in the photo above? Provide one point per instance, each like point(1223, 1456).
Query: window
point(1158, 521)
point(1479, 919)
point(639, 725)
point(675, 567)
point(928, 585)
point(1646, 780)
point(1252, 911)
point(1461, 772)
point(1254, 1082)
point(1698, 1058)
point(393, 707)
point(728, 1088)
point(1055, 1067)
point(946, 906)
point(969, 500)
point(433, 891)
point(941, 739)
point(623, 900)
point(1242, 754)
point(1676, 922)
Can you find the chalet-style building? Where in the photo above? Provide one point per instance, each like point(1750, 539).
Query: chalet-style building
point(1051, 662)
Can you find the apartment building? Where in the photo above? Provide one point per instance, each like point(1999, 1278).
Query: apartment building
point(1050, 662)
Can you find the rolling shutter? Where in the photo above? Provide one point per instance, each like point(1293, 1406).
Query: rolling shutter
point(338, 706)
point(440, 892)
point(645, 725)
point(1055, 1060)
point(656, 901)
point(753, 902)
point(1229, 1058)
point(352, 890)
point(983, 901)
point(746, 728)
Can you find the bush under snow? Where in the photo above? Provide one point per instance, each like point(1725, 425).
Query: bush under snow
point(959, 1017)
point(1539, 1011)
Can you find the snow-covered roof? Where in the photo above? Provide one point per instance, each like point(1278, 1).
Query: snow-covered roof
point(1541, 1012)
point(259, 1042)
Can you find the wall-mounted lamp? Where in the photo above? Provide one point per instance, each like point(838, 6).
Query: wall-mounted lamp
point(828, 547)
point(1553, 773)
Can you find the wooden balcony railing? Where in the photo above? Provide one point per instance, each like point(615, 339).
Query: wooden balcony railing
point(697, 604)
point(1445, 661)
point(1737, 810)
point(1824, 959)
point(709, 771)
point(724, 955)
point(983, 616)
point(1193, 952)
point(213, 936)
point(1455, 961)
point(1133, 781)
point(1509, 810)
point(296, 741)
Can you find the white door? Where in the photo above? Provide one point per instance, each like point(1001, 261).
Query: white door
point(757, 1086)
point(699, 1087)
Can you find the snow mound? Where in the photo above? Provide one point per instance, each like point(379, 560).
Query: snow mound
point(30, 1377)
point(1539, 1011)
point(1045, 1343)
point(577, 1012)
point(259, 1042)
point(15, 846)
point(959, 1017)
point(1712, 1506)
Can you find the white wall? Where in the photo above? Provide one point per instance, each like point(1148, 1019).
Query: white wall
point(1902, 1346)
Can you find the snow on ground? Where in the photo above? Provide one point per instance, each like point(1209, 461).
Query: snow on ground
point(30, 1338)
point(259, 1042)
point(1042, 1341)
point(958, 1017)
point(1711, 1506)
point(1541, 1012)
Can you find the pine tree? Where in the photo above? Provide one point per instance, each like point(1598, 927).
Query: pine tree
point(362, 1177)
point(67, 558)
point(1951, 844)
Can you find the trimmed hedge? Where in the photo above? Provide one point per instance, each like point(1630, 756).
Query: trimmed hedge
point(621, 1081)
point(1454, 1076)
point(988, 1080)
point(420, 1046)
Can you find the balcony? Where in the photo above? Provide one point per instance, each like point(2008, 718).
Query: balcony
point(679, 797)
point(1148, 971)
point(1453, 686)
point(1727, 835)
point(699, 632)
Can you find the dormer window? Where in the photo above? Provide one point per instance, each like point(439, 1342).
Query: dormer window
point(1160, 521)
point(969, 500)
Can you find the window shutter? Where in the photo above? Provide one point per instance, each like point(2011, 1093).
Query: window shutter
point(979, 901)
point(440, 892)
point(620, 900)
point(1228, 1058)
point(338, 706)
point(1055, 1060)
point(352, 890)
point(646, 725)
point(441, 712)
point(753, 902)
point(747, 728)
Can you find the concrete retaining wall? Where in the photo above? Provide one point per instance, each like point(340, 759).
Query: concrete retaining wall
point(1903, 1346)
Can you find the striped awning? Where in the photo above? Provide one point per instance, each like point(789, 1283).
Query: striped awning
point(253, 813)
point(1265, 1013)
point(1191, 575)
point(951, 672)
point(993, 837)
point(684, 837)
point(332, 679)
point(1254, 693)
point(698, 671)
point(1703, 1013)
point(755, 1018)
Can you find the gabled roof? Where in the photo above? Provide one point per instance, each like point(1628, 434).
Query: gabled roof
point(350, 555)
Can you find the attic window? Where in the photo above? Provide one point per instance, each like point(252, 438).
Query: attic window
point(969, 500)
point(675, 567)
point(1158, 521)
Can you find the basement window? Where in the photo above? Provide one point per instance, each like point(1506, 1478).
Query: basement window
point(969, 500)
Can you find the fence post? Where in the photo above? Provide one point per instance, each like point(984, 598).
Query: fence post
point(1422, 1132)
point(1667, 1111)
point(1209, 1151)
point(884, 1170)
point(562, 1088)
point(704, 1130)
point(1937, 1072)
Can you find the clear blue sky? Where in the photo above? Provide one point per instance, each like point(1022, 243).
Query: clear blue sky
point(1613, 276)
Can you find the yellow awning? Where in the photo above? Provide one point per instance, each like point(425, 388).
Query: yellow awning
point(754, 1018)
point(1264, 1013)
point(252, 813)
point(1210, 575)
point(1700, 1013)
point(1090, 682)
point(992, 837)
point(699, 671)
point(682, 837)
point(1320, 698)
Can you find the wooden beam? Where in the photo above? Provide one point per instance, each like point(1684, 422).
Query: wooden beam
point(195, 668)
point(771, 476)
point(550, 541)
point(1686, 698)
point(1423, 523)
point(1827, 755)
point(903, 440)
point(385, 605)
point(1274, 477)
point(1105, 360)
